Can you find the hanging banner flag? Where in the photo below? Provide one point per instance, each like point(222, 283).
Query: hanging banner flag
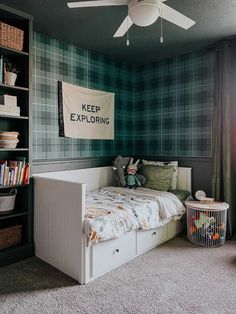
point(85, 113)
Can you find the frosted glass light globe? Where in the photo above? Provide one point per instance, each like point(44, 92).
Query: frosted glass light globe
point(144, 13)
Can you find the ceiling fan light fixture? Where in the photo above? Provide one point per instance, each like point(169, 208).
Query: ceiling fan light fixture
point(144, 12)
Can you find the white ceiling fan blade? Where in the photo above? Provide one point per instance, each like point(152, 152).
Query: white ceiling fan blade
point(98, 3)
point(124, 27)
point(175, 17)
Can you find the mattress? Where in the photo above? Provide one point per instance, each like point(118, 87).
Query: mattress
point(112, 212)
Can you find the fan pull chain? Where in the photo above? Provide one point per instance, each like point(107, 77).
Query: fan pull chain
point(127, 40)
point(161, 38)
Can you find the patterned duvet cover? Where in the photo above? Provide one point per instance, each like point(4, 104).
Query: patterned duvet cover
point(111, 212)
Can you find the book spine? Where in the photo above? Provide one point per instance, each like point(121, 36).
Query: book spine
point(26, 174)
point(22, 174)
point(1, 176)
point(15, 175)
point(1, 69)
point(19, 172)
point(11, 173)
point(6, 174)
point(3, 173)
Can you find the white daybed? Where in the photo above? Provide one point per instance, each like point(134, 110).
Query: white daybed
point(59, 206)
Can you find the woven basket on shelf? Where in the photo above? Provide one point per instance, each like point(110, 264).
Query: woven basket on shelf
point(11, 36)
point(10, 236)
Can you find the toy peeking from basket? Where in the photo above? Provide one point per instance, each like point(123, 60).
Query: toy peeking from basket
point(206, 227)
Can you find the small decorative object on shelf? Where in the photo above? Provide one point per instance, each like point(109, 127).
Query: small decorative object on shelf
point(206, 222)
point(10, 73)
point(201, 196)
point(7, 201)
point(9, 139)
point(11, 37)
point(8, 105)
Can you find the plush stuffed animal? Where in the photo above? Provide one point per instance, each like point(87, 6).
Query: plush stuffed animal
point(131, 178)
point(141, 178)
point(119, 166)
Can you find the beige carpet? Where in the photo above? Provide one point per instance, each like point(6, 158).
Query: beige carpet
point(176, 277)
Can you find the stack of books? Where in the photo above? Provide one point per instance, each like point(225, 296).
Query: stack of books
point(8, 106)
point(14, 172)
point(8, 139)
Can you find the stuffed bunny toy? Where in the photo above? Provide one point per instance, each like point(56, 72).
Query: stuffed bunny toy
point(131, 178)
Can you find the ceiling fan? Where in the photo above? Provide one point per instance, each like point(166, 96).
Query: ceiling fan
point(140, 12)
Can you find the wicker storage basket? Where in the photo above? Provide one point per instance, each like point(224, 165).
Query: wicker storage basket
point(11, 36)
point(10, 236)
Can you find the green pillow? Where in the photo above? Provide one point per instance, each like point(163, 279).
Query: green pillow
point(181, 194)
point(158, 177)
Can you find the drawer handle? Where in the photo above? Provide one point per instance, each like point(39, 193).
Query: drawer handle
point(154, 233)
point(116, 251)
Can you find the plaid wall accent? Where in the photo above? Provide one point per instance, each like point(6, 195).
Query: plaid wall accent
point(54, 60)
point(174, 102)
point(162, 109)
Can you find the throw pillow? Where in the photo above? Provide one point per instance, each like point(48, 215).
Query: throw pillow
point(158, 177)
point(165, 163)
point(181, 194)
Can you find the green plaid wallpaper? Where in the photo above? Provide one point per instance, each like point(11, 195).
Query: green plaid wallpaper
point(55, 60)
point(162, 109)
point(174, 101)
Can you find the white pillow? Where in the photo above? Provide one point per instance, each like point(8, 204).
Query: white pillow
point(165, 163)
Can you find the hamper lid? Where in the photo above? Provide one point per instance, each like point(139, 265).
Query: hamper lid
point(208, 206)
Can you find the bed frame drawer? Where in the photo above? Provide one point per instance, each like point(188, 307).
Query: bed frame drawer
point(173, 228)
point(150, 238)
point(110, 254)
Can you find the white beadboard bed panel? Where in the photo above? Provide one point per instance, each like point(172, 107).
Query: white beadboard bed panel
point(58, 221)
point(103, 176)
point(59, 204)
point(184, 179)
point(94, 178)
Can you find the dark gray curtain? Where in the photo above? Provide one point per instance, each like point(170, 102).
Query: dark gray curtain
point(224, 131)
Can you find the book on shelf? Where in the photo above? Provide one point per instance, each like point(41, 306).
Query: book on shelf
point(1, 69)
point(14, 172)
